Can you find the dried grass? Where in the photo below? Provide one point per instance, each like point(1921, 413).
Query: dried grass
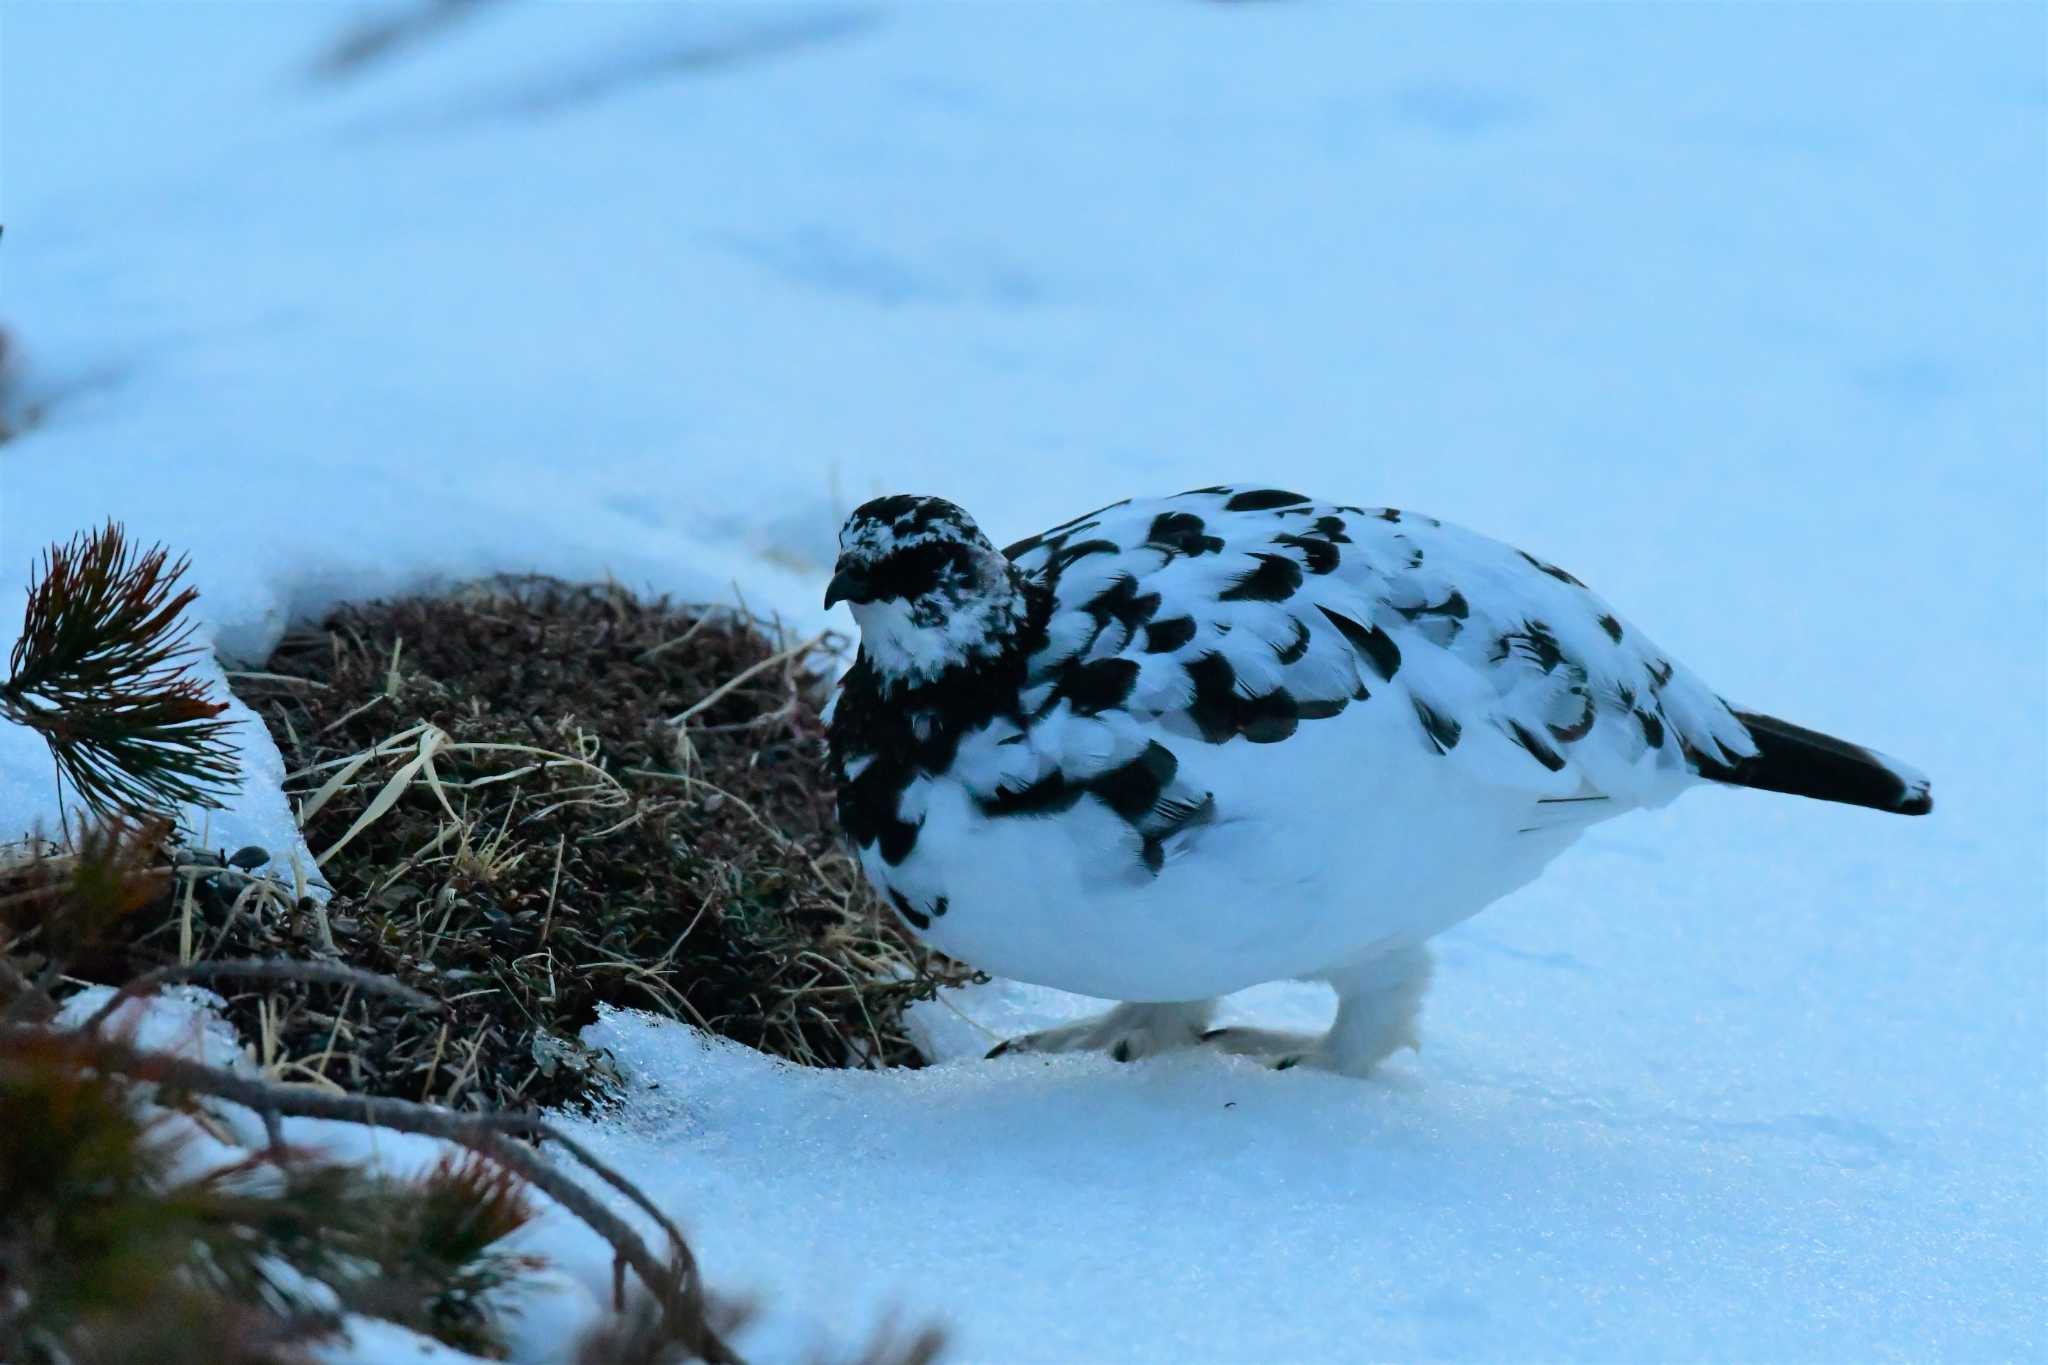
point(532, 799)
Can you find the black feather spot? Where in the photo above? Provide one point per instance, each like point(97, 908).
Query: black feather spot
point(1388, 514)
point(1296, 647)
point(1443, 730)
point(1125, 604)
point(1175, 817)
point(1163, 637)
point(868, 810)
point(1221, 712)
point(910, 573)
point(908, 515)
point(1653, 728)
point(1270, 717)
point(1580, 728)
point(939, 907)
point(1661, 673)
point(891, 507)
point(1177, 814)
point(1121, 602)
point(1321, 555)
point(908, 911)
point(1320, 709)
point(1262, 499)
point(1134, 789)
point(1375, 644)
point(1214, 705)
point(1182, 533)
point(898, 837)
point(1537, 747)
point(1067, 554)
point(1055, 536)
point(1274, 580)
point(1559, 574)
point(1533, 642)
point(1331, 529)
point(1097, 685)
point(1049, 795)
point(1075, 523)
point(1453, 607)
point(866, 801)
point(1051, 541)
point(1612, 626)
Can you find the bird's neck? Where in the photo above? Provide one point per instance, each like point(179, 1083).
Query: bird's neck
point(946, 639)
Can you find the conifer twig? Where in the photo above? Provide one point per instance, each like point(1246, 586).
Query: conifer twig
point(100, 672)
point(674, 1284)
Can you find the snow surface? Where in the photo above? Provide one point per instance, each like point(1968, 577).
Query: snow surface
point(1736, 312)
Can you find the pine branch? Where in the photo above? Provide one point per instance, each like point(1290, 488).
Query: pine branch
point(115, 1249)
point(100, 673)
point(674, 1283)
point(71, 905)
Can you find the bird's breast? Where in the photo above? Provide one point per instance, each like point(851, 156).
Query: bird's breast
point(1307, 855)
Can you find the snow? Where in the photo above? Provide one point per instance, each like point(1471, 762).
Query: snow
point(178, 1021)
point(1734, 312)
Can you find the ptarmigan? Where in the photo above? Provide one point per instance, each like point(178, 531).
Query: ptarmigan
point(1180, 746)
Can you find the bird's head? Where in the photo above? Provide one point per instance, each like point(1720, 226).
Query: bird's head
point(926, 587)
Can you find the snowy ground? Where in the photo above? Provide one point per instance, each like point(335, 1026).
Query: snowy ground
point(1737, 312)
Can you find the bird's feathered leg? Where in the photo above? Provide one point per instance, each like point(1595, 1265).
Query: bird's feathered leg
point(1378, 1002)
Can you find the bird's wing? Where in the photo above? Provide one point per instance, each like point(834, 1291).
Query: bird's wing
point(1228, 612)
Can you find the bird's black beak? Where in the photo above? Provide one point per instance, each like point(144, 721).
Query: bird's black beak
point(848, 586)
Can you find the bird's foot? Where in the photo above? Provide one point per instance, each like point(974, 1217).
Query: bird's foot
point(1126, 1033)
point(1282, 1050)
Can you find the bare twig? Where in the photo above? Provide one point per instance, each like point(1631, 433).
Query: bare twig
point(725, 688)
point(266, 969)
point(675, 1284)
point(649, 655)
point(252, 676)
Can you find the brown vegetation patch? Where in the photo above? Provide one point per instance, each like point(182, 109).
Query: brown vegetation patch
point(513, 825)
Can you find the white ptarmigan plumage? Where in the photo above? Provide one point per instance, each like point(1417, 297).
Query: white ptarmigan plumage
point(1180, 746)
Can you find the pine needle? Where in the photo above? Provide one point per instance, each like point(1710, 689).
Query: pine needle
point(101, 673)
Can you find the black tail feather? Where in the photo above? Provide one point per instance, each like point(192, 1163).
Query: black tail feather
point(1802, 762)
